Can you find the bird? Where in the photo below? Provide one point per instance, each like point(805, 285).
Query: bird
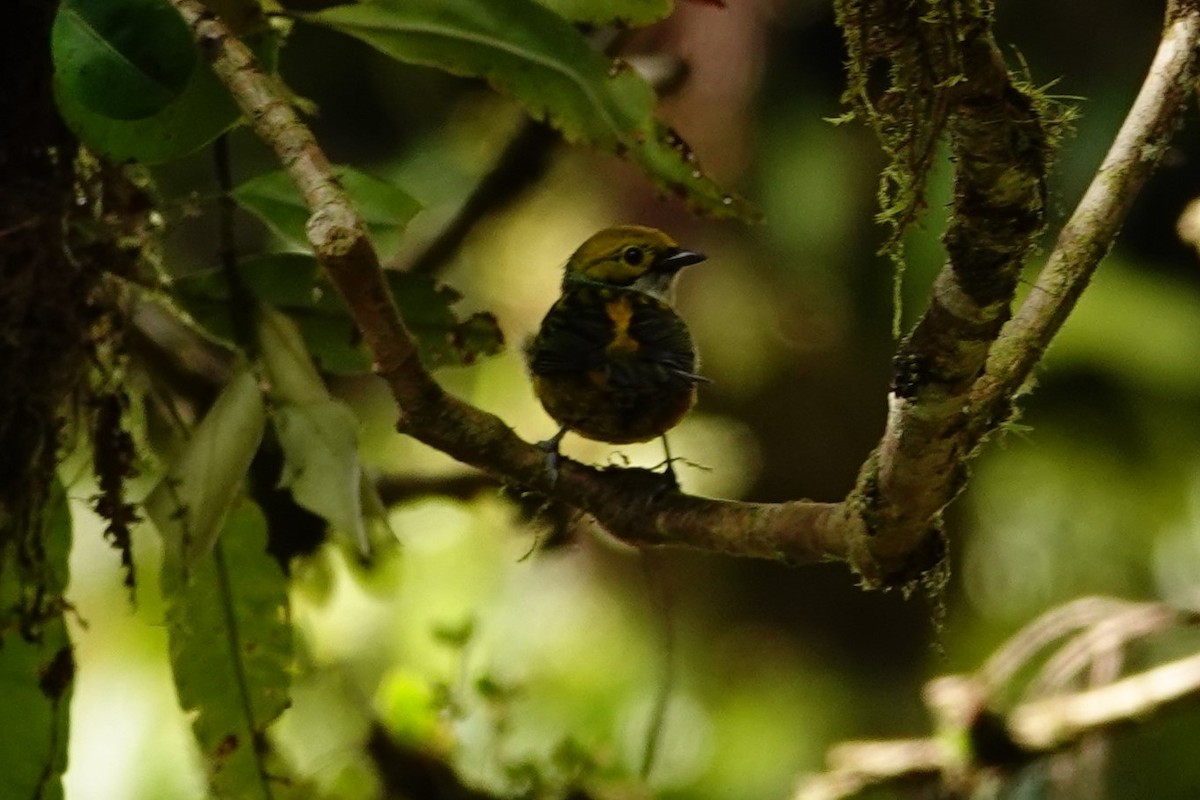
point(612, 360)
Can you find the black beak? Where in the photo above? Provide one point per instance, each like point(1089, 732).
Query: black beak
point(676, 259)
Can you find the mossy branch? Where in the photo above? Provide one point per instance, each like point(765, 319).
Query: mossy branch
point(947, 77)
point(1001, 136)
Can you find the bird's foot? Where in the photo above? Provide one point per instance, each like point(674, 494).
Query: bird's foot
point(553, 460)
point(553, 457)
point(669, 474)
point(668, 479)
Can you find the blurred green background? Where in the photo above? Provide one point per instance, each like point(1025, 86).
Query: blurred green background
point(529, 659)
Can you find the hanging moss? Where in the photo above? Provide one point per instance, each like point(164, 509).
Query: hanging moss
point(920, 71)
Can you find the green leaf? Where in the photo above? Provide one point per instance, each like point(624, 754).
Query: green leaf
point(123, 59)
point(634, 13)
point(321, 468)
point(294, 377)
point(540, 59)
point(318, 434)
point(294, 283)
point(37, 668)
point(190, 502)
point(425, 305)
point(199, 113)
point(274, 199)
point(409, 707)
point(231, 645)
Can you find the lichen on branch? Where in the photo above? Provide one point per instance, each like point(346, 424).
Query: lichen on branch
point(922, 72)
point(946, 80)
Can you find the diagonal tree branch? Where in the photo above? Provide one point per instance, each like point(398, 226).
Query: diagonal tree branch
point(524, 161)
point(1087, 236)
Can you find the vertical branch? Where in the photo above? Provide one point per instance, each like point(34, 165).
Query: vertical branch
point(957, 371)
point(999, 148)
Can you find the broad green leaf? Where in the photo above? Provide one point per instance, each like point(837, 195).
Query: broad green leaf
point(540, 59)
point(293, 376)
point(321, 468)
point(37, 668)
point(199, 113)
point(385, 208)
point(634, 13)
point(293, 283)
point(230, 641)
point(123, 59)
point(189, 504)
point(318, 434)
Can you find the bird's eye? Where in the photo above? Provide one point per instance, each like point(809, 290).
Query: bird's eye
point(633, 256)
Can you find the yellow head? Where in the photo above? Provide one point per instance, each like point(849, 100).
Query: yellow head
point(631, 256)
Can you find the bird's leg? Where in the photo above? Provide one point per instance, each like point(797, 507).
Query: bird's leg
point(553, 457)
point(669, 472)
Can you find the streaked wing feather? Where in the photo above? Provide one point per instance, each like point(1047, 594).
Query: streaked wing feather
point(577, 329)
point(665, 357)
point(572, 337)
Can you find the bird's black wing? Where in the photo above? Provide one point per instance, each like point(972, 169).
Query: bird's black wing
point(665, 358)
point(664, 343)
point(576, 334)
point(573, 335)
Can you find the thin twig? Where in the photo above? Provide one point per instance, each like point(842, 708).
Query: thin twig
point(971, 736)
point(522, 164)
point(528, 155)
point(1055, 721)
point(241, 302)
point(395, 489)
point(655, 576)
